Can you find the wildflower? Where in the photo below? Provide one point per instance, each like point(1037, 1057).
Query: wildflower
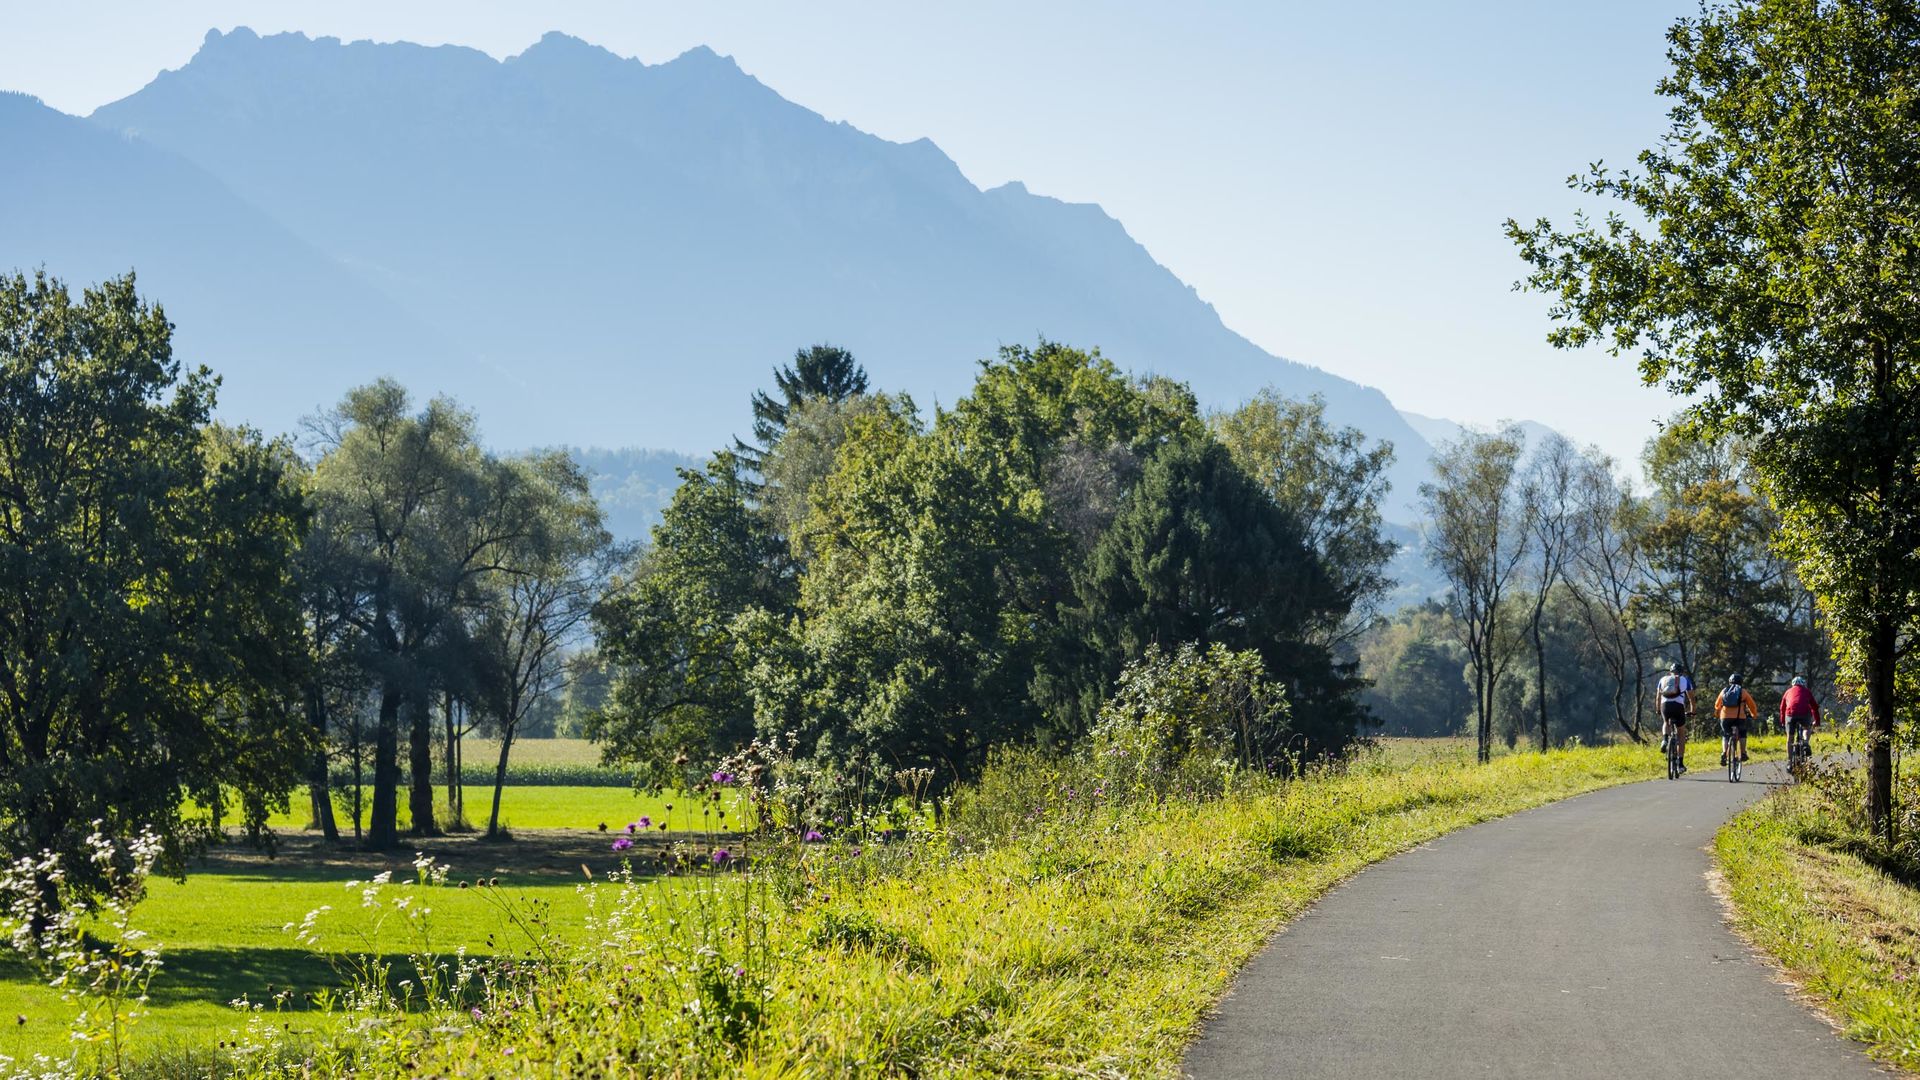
point(477, 1014)
point(813, 836)
point(723, 778)
point(739, 972)
point(622, 844)
point(721, 856)
point(855, 851)
point(632, 825)
point(645, 822)
point(603, 826)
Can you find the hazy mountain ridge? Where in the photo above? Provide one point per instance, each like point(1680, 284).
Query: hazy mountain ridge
point(620, 251)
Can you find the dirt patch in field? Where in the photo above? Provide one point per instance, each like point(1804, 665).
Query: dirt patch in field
point(532, 854)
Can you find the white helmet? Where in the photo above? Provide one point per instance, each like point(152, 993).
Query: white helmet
point(1799, 680)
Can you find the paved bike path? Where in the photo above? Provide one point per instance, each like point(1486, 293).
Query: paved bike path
point(1576, 940)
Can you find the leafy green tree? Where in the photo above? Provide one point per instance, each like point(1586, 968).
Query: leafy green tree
point(537, 603)
point(806, 451)
point(420, 517)
point(1330, 480)
point(1715, 595)
point(1477, 536)
point(1549, 489)
point(150, 635)
point(1200, 553)
point(903, 654)
point(667, 629)
point(1415, 670)
point(1777, 285)
point(821, 372)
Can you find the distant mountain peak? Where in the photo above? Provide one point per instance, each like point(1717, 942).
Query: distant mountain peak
point(558, 45)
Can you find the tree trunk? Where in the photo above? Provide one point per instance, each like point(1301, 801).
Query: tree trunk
point(1540, 667)
point(420, 762)
point(1483, 715)
point(453, 760)
point(1882, 655)
point(499, 783)
point(319, 784)
point(383, 831)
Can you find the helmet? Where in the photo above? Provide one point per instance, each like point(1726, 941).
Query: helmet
point(1799, 680)
point(1675, 669)
point(1733, 679)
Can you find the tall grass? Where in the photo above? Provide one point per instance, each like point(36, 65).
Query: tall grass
point(1086, 938)
point(1839, 908)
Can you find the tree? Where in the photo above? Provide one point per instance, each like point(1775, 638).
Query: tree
point(1201, 554)
point(545, 588)
point(1331, 481)
point(420, 516)
point(150, 634)
point(1476, 537)
point(667, 628)
point(1605, 574)
point(826, 372)
point(902, 654)
point(1415, 673)
point(1776, 285)
point(1548, 491)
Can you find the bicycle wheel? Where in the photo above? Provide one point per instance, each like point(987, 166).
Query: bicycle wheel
point(1673, 759)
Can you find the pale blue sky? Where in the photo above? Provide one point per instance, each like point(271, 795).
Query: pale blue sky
point(1331, 177)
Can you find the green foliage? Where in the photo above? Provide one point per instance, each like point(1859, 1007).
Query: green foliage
point(903, 652)
point(1415, 670)
point(819, 373)
point(1213, 708)
point(149, 619)
point(1777, 286)
point(1199, 553)
point(1329, 479)
point(668, 629)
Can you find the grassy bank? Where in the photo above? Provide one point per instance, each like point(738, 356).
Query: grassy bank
point(1839, 911)
point(1092, 941)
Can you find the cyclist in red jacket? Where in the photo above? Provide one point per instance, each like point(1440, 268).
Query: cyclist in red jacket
point(1799, 712)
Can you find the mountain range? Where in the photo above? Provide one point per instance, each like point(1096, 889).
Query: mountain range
point(585, 249)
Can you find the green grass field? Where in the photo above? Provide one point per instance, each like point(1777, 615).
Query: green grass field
point(532, 807)
point(1201, 875)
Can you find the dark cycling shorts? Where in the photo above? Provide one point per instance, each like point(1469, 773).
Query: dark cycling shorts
point(1674, 709)
point(1735, 726)
point(1800, 723)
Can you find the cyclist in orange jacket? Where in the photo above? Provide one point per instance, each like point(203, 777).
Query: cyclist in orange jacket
point(1734, 707)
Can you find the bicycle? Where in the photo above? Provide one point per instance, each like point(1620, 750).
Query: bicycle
point(1729, 746)
point(1799, 748)
point(1676, 756)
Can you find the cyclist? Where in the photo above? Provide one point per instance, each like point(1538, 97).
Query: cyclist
point(1799, 712)
point(1676, 702)
point(1734, 707)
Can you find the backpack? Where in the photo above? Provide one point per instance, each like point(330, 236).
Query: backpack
point(1670, 686)
point(1731, 696)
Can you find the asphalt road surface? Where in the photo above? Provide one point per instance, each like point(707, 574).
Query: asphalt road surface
point(1576, 940)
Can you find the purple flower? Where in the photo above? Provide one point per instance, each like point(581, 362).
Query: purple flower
point(813, 836)
point(622, 844)
point(631, 826)
point(723, 778)
point(645, 822)
point(721, 856)
point(856, 851)
point(477, 1014)
point(739, 972)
